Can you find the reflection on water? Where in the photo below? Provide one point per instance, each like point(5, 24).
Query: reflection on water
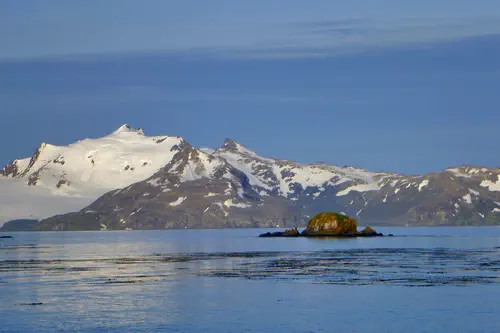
point(209, 281)
point(407, 267)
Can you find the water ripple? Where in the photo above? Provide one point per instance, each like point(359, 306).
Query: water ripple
point(399, 266)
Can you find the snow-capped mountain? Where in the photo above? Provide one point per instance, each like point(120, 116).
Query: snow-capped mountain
point(194, 190)
point(63, 179)
point(164, 182)
point(463, 195)
point(292, 180)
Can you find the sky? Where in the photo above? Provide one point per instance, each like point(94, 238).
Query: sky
point(402, 86)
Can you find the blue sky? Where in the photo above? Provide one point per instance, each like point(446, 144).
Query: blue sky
point(400, 86)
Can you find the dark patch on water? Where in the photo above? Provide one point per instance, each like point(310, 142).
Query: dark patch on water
point(407, 267)
point(23, 247)
point(120, 282)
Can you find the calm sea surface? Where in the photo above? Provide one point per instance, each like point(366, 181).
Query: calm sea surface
point(421, 280)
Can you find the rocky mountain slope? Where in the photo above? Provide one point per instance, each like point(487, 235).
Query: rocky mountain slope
point(164, 182)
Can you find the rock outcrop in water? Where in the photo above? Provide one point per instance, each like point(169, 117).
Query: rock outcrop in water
point(331, 224)
point(327, 224)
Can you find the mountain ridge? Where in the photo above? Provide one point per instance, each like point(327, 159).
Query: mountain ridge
point(128, 159)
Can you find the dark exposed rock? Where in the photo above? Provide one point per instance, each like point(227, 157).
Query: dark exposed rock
point(287, 233)
point(10, 170)
point(34, 158)
point(33, 178)
point(230, 144)
point(291, 232)
point(59, 160)
point(368, 232)
point(62, 182)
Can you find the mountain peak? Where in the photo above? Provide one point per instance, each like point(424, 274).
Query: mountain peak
point(234, 147)
point(125, 128)
point(230, 144)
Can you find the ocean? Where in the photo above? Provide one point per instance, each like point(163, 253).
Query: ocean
point(441, 279)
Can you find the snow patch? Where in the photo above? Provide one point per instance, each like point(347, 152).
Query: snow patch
point(492, 186)
point(458, 173)
point(207, 150)
point(177, 202)
point(467, 198)
point(134, 212)
point(359, 188)
point(230, 203)
point(221, 206)
point(473, 192)
point(229, 189)
point(423, 184)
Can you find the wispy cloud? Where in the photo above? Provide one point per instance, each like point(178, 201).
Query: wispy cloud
point(285, 29)
point(336, 27)
point(333, 37)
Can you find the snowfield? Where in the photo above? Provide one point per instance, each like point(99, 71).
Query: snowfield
point(19, 201)
point(68, 178)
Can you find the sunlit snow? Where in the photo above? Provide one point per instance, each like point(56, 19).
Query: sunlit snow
point(492, 186)
point(177, 202)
